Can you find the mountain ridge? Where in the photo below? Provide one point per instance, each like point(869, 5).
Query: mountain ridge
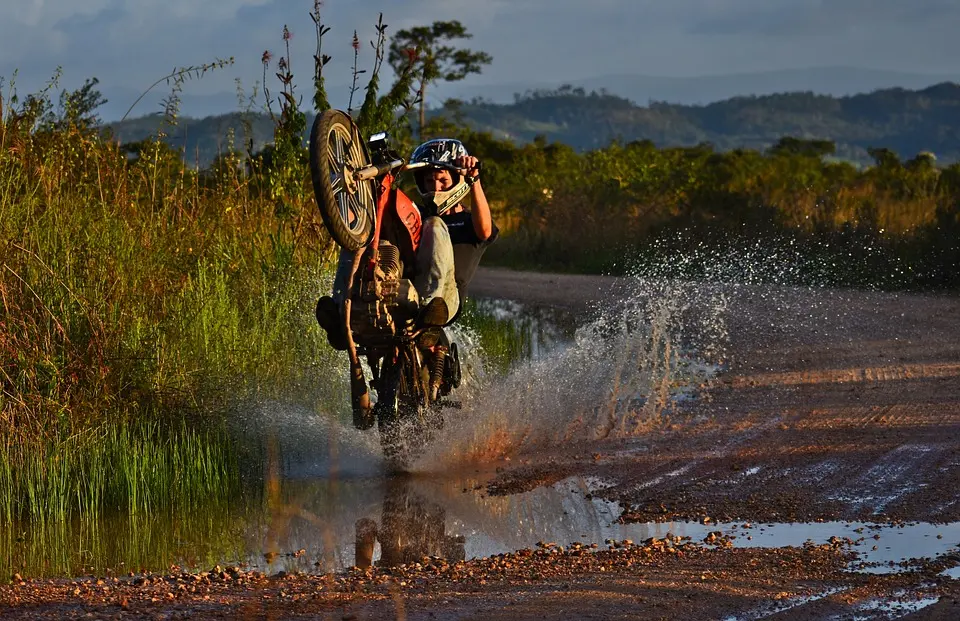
point(906, 121)
point(836, 80)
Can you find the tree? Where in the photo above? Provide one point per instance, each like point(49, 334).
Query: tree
point(434, 58)
point(79, 108)
point(884, 157)
point(788, 145)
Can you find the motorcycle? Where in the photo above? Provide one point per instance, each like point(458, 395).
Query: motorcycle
point(413, 368)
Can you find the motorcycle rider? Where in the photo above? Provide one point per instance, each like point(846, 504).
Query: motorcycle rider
point(453, 238)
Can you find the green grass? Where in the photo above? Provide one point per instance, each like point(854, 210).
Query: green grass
point(142, 304)
point(133, 467)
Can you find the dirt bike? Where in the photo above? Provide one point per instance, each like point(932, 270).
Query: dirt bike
point(413, 367)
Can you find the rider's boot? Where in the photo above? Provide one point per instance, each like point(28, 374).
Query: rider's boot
point(328, 316)
point(433, 315)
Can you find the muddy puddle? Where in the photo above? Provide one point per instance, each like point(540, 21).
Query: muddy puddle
point(332, 523)
point(402, 519)
point(327, 504)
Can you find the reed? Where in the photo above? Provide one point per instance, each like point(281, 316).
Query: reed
point(135, 467)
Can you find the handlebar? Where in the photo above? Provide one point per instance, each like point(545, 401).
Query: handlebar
point(371, 172)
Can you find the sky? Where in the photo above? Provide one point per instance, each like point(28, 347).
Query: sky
point(129, 44)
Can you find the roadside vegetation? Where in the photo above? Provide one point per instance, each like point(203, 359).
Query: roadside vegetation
point(144, 300)
point(789, 214)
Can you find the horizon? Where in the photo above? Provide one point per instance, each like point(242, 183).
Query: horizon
point(439, 104)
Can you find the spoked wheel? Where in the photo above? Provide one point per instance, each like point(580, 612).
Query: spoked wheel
point(347, 206)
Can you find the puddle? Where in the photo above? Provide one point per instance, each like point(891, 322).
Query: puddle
point(783, 607)
point(953, 572)
point(880, 548)
point(898, 607)
point(320, 524)
point(422, 517)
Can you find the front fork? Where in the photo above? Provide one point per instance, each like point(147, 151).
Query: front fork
point(359, 393)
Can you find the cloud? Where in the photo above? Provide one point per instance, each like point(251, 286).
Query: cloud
point(130, 43)
point(820, 18)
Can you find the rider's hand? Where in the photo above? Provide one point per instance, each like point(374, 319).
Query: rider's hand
point(471, 165)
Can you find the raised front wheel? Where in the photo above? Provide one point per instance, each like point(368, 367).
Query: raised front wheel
point(347, 206)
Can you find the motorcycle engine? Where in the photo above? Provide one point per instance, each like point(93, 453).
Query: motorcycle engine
point(385, 303)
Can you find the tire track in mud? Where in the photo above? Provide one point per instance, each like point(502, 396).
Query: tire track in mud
point(851, 375)
point(854, 443)
point(862, 462)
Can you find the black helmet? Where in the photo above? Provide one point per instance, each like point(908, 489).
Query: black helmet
point(443, 151)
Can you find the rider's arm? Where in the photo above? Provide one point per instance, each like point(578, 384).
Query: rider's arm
point(482, 220)
point(480, 214)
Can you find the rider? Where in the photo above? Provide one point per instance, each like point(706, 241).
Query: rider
point(452, 241)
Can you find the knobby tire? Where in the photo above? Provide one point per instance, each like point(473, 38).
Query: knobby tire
point(328, 181)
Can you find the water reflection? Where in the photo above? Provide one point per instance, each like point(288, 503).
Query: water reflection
point(411, 527)
point(118, 543)
point(400, 520)
point(328, 524)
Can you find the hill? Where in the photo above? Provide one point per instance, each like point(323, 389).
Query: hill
point(905, 121)
point(705, 89)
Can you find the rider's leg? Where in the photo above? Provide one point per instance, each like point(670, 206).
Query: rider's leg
point(436, 276)
point(328, 307)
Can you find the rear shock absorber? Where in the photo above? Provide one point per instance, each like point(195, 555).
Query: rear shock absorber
point(436, 371)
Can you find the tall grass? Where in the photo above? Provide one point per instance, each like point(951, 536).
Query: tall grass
point(140, 302)
point(134, 467)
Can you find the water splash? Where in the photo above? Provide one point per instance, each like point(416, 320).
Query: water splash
point(628, 367)
point(299, 442)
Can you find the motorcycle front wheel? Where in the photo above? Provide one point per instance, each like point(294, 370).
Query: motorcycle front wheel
point(347, 206)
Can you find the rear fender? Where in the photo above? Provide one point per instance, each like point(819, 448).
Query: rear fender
point(409, 216)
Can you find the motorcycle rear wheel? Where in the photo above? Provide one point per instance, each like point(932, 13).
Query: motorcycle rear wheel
point(347, 206)
point(401, 411)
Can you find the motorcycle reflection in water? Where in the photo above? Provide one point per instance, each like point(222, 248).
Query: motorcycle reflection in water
point(411, 527)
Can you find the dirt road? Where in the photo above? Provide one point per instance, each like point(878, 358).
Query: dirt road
point(840, 405)
point(832, 405)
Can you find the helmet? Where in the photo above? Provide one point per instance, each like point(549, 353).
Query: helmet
point(444, 151)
